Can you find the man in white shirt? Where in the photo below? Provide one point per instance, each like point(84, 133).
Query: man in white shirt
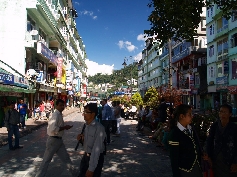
point(54, 143)
point(93, 143)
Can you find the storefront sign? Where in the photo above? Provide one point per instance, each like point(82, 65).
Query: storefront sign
point(221, 80)
point(46, 52)
point(20, 81)
point(6, 78)
point(59, 67)
point(84, 89)
point(40, 77)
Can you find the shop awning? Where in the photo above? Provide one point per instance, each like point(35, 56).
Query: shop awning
point(10, 88)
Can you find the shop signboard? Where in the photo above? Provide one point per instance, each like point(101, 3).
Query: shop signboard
point(47, 53)
point(222, 80)
point(6, 78)
point(21, 82)
point(40, 77)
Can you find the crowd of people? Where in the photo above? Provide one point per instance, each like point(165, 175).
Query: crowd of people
point(172, 129)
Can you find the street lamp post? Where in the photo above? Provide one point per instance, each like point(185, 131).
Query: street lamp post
point(129, 60)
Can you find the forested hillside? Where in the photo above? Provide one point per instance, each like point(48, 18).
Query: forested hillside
point(118, 78)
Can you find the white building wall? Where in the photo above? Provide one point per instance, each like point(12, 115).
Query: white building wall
point(13, 16)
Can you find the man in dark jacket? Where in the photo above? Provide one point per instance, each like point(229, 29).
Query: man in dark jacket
point(12, 119)
point(163, 110)
point(222, 144)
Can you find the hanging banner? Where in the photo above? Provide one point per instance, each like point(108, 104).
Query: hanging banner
point(84, 88)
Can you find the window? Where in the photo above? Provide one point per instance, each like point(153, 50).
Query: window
point(211, 71)
point(233, 40)
point(30, 24)
point(220, 70)
point(197, 79)
point(210, 30)
point(222, 24)
point(211, 51)
point(42, 35)
point(203, 25)
point(234, 69)
point(234, 16)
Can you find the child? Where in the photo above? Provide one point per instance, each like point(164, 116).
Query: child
point(185, 154)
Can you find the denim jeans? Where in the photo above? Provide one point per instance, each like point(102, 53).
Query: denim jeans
point(14, 130)
point(22, 120)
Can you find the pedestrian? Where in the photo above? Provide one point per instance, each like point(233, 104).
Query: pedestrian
point(22, 108)
point(185, 153)
point(54, 144)
point(163, 110)
point(48, 108)
point(12, 119)
point(93, 143)
point(106, 118)
point(222, 144)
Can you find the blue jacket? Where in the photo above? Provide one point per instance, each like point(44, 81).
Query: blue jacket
point(106, 112)
point(22, 108)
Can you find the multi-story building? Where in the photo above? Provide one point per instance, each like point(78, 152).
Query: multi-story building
point(221, 57)
point(39, 39)
point(184, 70)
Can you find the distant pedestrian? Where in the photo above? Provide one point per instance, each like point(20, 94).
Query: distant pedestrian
point(93, 145)
point(163, 110)
point(185, 153)
point(22, 108)
point(106, 118)
point(54, 143)
point(12, 118)
point(48, 108)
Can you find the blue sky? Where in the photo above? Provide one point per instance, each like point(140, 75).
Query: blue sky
point(111, 31)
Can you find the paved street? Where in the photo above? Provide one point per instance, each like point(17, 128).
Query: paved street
point(131, 154)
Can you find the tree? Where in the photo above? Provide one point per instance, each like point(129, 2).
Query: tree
point(172, 96)
point(179, 19)
point(151, 97)
point(123, 100)
point(136, 99)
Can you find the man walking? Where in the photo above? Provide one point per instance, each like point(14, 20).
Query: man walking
point(22, 108)
point(54, 143)
point(94, 143)
point(12, 118)
point(106, 118)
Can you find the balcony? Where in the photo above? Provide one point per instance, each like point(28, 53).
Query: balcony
point(221, 32)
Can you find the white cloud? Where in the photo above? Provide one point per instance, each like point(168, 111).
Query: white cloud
point(126, 44)
point(77, 3)
point(94, 68)
point(89, 13)
point(138, 57)
point(142, 37)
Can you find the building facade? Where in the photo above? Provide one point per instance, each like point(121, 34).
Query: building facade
point(39, 39)
point(221, 57)
point(182, 69)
